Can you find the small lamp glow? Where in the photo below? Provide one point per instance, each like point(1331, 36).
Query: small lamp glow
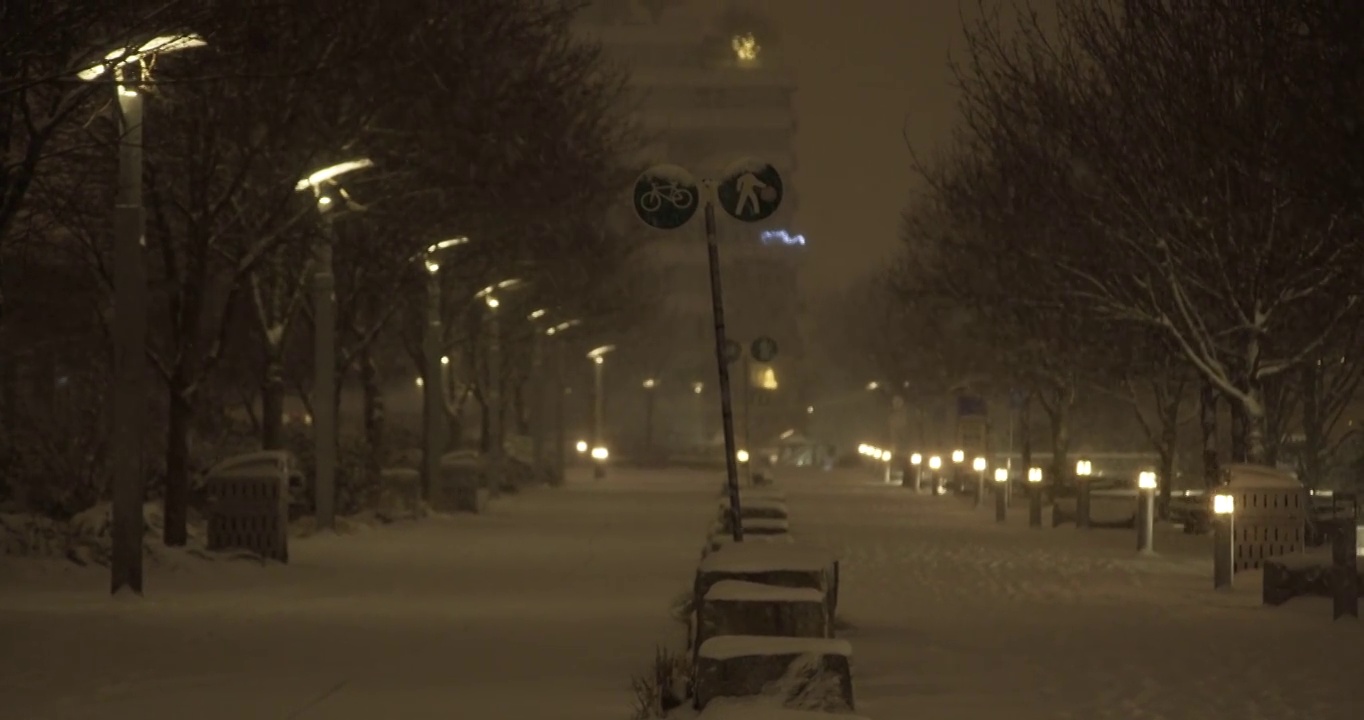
point(1084, 468)
point(649, 384)
point(1035, 475)
point(492, 302)
point(978, 464)
point(886, 455)
point(741, 456)
point(1223, 504)
point(581, 446)
point(420, 382)
point(916, 459)
point(600, 453)
point(1001, 475)
point(934, 462)
point(1146, 480)
point(958, 456)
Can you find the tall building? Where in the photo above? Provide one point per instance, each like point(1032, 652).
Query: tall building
point(711, 88)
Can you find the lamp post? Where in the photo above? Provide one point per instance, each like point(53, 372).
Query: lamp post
point(1083, 469)
point(649, 385)
point(323, 184)
point(493, 392)
point(886, 456)
point(130, 70)
point(433, 389)
point(697, 388)
point(958, 457)
point(1223, 546)
point(1035, 497)
point(1146, 511)
point(979, 466)
point(598, 358)
point(560, 442)
point(538, 399)
point(917, 460)
point(935, 464)
point(1001, 480)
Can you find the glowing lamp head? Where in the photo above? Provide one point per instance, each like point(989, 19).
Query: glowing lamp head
point(1223, 504)
point(1034, 474)
point(934, 462)
point(445, 360)
point(420, 382)
point(978, 464)
point(600, 453)
point(741, 456)
point(649, 384)
point(886, 455)
point(958, 456)
point(697, 388)
point(916, 459)
point(1084, 468)
point(581, 447)
point(1001, 475)
point(492, 302)
point(1146, 480)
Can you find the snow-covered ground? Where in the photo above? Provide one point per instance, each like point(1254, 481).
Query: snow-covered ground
point(954, 617)
point(545, 607)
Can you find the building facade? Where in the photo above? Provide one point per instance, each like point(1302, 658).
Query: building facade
point(710, 88)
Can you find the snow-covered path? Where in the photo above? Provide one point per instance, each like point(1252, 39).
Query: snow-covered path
point(954, 617)
point(543, 608)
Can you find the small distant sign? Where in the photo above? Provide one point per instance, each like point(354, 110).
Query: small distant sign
point(733, 351)
point(764, 349)
point(666, 196)
point(750, 190)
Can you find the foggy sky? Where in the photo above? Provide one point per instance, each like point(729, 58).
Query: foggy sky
point(866, 69)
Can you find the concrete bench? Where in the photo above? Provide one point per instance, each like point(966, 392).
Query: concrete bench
point(733, 709)
point(738, 607)
point(757, 507)
point(795, 673)
point(789, 565)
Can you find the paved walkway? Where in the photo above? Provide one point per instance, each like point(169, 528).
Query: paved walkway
point(542, 609)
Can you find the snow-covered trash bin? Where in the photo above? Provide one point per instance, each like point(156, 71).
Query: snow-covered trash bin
point(794, 673)
point(791, 565)
point(763, 709)
point(248, 500)
point(462, 485)
point(757, 507)
point(738, 607)
point(400, 492)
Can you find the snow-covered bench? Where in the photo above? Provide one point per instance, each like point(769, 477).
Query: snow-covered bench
point(795, 673)
point(754, 494)
point(791, 565)
point(723, 539)
point(738, 607)
point(756, 507)
point(1303, 574)
point(751, 525)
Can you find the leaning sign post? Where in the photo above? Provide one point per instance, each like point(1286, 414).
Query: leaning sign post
point(666, 197)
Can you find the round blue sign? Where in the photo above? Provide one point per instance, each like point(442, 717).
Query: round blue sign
point(666, 196)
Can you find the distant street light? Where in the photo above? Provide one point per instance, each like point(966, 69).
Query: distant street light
point(322, 183)
point(598, 358)
point(1223, 545)
point(979, 465)
point(1035, 497)
point(1001, 494)
point(434, 362)
point(1083, 469)
point(493, 392)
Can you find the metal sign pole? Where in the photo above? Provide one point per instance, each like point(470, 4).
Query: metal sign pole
point(726, 405)
point(748, 420)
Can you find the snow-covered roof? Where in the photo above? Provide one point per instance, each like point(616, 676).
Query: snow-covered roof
point(1241, 476)
point(728, 647)
point(743, 591)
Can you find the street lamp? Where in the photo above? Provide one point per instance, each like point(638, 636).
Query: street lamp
point(560, 443)
point(130, 68)
point(1146, 511)
point(979, 466)
point(935, 464)
point(649, 385)
point(1223, 547)
point(321, 183)
point(493, 391)
point(598, 358)
point(1001, 501)
point(958, 456)
point(1083, 469)
point(434, 362)
point(1035, 497)
point(917, 461)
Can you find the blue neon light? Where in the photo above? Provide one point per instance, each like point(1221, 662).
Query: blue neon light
point(780, 237)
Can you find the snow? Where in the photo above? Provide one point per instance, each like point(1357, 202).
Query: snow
point(747, 495)
point(749, 558)
point(670, 174)
point(547, 605)
point(756, 524)
point(1258, 477)
point(735, 709)
point(754, 503)
point(728, 647)
point(743, 591)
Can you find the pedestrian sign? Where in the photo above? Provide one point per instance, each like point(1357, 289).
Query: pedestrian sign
point(666, 197)
point(764, 349)
point(733, 351)
point(750, 190)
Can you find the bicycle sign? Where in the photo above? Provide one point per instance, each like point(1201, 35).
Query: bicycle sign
point(666, 197)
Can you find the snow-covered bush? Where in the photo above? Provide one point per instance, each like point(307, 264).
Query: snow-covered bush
point(666, 685)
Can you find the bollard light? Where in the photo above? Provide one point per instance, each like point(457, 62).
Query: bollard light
point(600, 453)
point(581, 446)
point(886, 455)
point(934, 463)
point(958, 456)
point(1146, 511)
point(1146, 480)
point(1034, 474)
point(916, 459)
point(741, 456)
point(1223, 504)
point(1001, 475)
point(978, 464)
point(1084, 468)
